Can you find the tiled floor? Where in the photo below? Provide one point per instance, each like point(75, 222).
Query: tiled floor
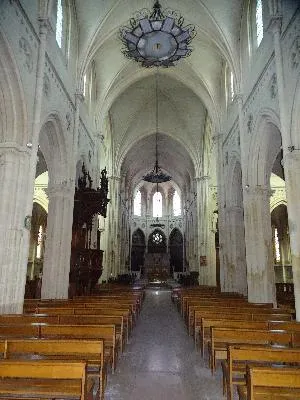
point(160, 362)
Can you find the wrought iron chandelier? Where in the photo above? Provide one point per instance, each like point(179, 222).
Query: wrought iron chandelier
point(157, 38)
point(156, 175)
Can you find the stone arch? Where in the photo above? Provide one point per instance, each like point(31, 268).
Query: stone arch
point(138, 245)
point(176, 250)
point(235, 182)
point(295, 117)
point(264, 148)
point(53, 145)
point(13, 123)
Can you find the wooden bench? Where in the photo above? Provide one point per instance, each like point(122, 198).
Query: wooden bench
point(265, 383)
point(207, 323)
point(234, 368)
point(44, 331)
point(90, 351)
point(223, 337)
point(44, 379)
point(125, 312)
point(233, 313)
point(116, 320)
point(104, 332)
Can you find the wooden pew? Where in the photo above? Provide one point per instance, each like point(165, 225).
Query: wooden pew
point(265, 383)
point(207, 323)
point(234, 368)
point(44, 379)
point(44, 331)
point(122, 311)
point(223, 337)
point(89, 351)
point(251, 314)
point(104, 332)
point(116, 320)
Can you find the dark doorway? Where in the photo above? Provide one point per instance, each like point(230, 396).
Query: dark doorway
point(137, 250)
point(176, 250)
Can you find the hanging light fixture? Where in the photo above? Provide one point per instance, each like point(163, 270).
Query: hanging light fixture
point(156, 175)
point(157, 38)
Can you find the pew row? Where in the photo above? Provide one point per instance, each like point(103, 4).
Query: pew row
point(234, 367)
point(44, 379)
point(265, 383)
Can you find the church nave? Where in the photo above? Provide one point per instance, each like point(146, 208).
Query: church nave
point(160, 362)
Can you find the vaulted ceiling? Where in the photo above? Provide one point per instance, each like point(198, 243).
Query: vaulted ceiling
point(187, 92)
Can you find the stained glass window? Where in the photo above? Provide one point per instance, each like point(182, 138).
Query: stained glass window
point(259, 22)
point(232, 92)
point(59, 23)
point(157, 205)
point(176, 204)
point(84, 85)
point(277, 246)
point(137, 204)
point(39, 243)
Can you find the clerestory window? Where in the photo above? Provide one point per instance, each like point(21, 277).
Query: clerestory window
point(157, 205)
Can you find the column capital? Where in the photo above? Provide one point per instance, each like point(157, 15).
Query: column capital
point(44, 25)
point(240, 98)
point(62, 189)
point(291, 159)
point(217, 138)
point(114, 178)
point(257, 190)
point(275, 24)
point(15, 148)
point(202, 178)
point(79, 97)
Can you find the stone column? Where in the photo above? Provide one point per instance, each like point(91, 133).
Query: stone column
point(14, 230)
point(203, 228)
point(291, 160)
point(113, 244)
point(236, 279)
point(259, 254)
point(292, 176)
point(58, 242)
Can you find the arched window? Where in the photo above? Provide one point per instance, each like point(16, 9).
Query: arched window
point(137, 204)
point(259, 22)
point(232, 90)
point(176, 204)
point(62, 25)
point(39, 243)
point(276, 246)
point(84, 85)
point(59, 23)
point(157, 205)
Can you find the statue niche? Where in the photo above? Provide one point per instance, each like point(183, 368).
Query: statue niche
point(86, 257)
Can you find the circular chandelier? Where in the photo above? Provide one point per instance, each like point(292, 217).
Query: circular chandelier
point(157, 38)
point(156, 175)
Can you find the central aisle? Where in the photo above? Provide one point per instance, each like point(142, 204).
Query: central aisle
point(160, 362)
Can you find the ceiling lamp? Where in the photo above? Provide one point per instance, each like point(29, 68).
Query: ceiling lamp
point(157, 38)
point(156, 175)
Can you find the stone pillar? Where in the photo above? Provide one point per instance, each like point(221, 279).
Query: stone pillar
point(58, 242)
point(14, 230)
point(259, 254)
point(44, 27)
point(203, 228)
point(113, 244)
point(291, 159)
point(292, 176)
point(236, 279)
point(218, 140)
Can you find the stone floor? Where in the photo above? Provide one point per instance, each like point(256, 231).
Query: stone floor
point(160, 362)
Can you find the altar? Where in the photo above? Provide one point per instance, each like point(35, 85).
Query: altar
point(157, 267)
